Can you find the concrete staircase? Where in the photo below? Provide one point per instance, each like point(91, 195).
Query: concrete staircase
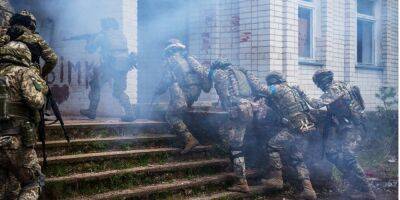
point(108, 159)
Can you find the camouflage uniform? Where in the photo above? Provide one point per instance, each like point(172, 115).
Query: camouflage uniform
point(345, 111)
point(20, 31)
point(22, 94)
point(295, 128)
point(236, 97)
point(115, 65)
point(185, 78)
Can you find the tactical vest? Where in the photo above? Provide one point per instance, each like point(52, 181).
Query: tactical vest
point(239, 84)
point(292, 109)
point(13, 53)
point(183, 72)
point(349, 104)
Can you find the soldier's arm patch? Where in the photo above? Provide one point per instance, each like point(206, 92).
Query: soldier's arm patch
point(37, 85)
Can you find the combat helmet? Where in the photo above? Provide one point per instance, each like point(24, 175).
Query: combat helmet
point(24, 18)
point(173, 46)
point(274, 77)
point(322, 78)
point(16, 53)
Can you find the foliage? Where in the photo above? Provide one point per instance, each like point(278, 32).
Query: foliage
point(388, 115)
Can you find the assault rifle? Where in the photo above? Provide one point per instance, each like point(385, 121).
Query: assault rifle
point(42, 131)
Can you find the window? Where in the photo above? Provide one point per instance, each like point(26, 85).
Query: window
point(305, 32)
point(365, 32)
point(306, 28)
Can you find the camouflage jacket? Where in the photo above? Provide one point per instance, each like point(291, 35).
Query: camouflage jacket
point(37, 45)
point(232, 86)
point(337, 99)
point(25, 85)
point(287, 102)
point(186, 72)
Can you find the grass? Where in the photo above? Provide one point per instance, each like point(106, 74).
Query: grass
point(125, 181)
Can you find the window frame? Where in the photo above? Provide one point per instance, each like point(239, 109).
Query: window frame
point(312, 7)
point(375, 33)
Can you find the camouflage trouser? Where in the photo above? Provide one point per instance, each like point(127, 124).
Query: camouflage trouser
point(292, 144)
point(233, 133)
point(179, 103)
point(22, 163)
point(175, 121)
point(119, 86)
point(339, 150)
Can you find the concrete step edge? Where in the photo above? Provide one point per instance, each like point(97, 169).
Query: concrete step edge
point(116, 154)
point(84, 141)
point(146, 190)
point(104, 124)
point(254, 190)
point(136, 170)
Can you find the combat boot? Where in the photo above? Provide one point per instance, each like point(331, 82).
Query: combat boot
point(191, 142)
point(130, 117)
point(89, 113)
point(274, 181)
point(129, 113)
point(240, 186)
point(308, 191)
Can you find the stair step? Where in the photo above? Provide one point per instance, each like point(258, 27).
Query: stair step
point(254, 190)
point(103, 123)
point(96, 128)
point(136, 170)
point(81, 142)
point(164, 187)
point(115, 154)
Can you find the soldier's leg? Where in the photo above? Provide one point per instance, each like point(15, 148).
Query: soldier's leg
point(119, 87)
point(339, 151)
point(24, 164)
point(297, 161)
point(236, 132)
point(29, 174)
point(175, 120)
point(94, 94)
point(13, 187)
point(275, 146)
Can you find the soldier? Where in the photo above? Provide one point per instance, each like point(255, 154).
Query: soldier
point(345, 106)
point(185, 78)
point(22, 29)
point(294, 127)
point(22, 94)
point(236, 97)
point(116, 62)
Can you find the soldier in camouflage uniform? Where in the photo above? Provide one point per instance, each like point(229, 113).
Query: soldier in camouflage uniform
point(22, 94)
point(22, 29)
point(345, 106)
point(236, 96)
point(295, 126)
point(116, 62)
point(185, 78)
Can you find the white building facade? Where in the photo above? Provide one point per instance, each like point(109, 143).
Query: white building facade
point(356, 39)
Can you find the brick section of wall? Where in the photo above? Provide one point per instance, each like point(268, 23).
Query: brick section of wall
point(264, 34)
